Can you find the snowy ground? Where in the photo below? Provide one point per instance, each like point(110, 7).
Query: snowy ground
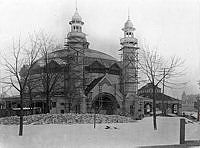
point(85, 136)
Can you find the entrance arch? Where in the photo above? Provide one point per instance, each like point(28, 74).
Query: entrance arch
point(105, 103)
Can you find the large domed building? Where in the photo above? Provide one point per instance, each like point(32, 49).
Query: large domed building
point(89, 80)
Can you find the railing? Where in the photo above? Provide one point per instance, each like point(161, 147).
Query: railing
point(128, 40)
point(79, 34)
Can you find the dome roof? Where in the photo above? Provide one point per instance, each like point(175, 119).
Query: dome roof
point(97, 54)
point(76, 16)
point(128, 24)
point(90, 53)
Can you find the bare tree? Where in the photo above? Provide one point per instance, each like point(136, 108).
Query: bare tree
point(23, 56)
point(32, 86)
point(49, 76)
point(152, 64)
point(50, 80)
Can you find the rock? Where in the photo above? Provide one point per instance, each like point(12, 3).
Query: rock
point(69, 118)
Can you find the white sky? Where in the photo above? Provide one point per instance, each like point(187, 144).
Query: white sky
point(173, 26)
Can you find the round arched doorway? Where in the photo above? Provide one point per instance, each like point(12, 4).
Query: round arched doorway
point(105, 103)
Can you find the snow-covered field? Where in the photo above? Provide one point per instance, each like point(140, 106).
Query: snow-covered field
point(85, 136)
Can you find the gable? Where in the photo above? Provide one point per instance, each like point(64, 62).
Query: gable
point(92, 85)
point(115, 66)
point(105, 81)
point(115, 69)
point(53, 64)
point(96, 65)
point(98, 81)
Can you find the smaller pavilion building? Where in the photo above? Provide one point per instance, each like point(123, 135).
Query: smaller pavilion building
point(171, 105)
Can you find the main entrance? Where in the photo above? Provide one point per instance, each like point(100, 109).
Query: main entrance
point(105, 103)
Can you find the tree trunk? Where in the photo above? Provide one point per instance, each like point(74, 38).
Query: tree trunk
point(21, 116)
point(47, 92)
point(47, 103)
point(198, 112)
point(123, 107)
point(154, 109)
point(47, 83)
point(31, 102)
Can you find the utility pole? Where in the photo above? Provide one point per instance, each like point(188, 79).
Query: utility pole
point(198, 104)
point(198, 108)
point(163, 91)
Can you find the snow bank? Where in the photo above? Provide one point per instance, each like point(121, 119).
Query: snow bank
point(126, 135)
point(65, 119)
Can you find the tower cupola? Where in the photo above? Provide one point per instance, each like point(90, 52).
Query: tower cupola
point(128, 28)
point(76, 22)
point(129, 38)
point(76, 37)
point(128, 23)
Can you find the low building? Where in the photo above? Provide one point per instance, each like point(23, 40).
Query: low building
point(170, 104)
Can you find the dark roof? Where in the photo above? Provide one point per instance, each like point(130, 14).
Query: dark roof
point(159, 96)
point(92, 85)
point(97, 64)
point(147, 86)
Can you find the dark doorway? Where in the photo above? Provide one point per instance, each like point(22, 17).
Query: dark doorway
point(175, 108)
point(147, 108)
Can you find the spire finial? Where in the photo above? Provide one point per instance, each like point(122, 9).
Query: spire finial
point(128, 14)
point(76, 6)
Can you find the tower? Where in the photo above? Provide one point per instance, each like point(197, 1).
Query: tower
point(129, 60)
point(76, 38)
point(75, 44)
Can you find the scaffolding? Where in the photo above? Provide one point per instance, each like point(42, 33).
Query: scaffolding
point(74, 75)
point(129, 74)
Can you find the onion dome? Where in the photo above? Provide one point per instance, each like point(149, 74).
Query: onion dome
point(76, 16)
point(128, 24)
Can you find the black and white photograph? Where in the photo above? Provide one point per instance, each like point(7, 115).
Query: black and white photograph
point(99, 73)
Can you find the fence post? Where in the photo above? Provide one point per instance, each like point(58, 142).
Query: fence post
point(182, 131)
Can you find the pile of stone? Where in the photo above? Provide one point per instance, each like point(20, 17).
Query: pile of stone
point(65, 119)
point(9, 120)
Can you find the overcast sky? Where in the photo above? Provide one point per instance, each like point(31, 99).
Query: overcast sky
point(173, 26)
